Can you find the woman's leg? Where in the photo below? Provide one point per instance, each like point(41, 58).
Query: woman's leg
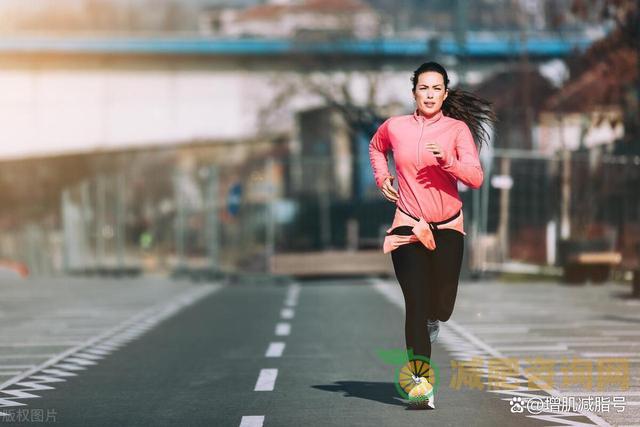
point(413, 268)
point(447, 261)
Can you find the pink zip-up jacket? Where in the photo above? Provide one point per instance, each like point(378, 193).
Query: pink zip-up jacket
point(427, 186)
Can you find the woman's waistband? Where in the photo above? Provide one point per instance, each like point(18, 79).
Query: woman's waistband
point(434, 223)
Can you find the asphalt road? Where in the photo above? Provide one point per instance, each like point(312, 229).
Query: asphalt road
point(262, 354)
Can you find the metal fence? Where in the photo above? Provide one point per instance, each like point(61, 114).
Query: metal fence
point(169, 213)
point(532, 206)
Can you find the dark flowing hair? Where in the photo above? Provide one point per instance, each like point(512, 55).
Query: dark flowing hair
point(462, 105)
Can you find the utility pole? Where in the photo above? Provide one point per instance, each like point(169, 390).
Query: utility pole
point(179, 219)
point(120, 219)
point(101, 201)
point(526, 81)
point(565, 221)
point(324, 203)
point(86, 215)
point(212, 223)
point(503, 227)
point(487, 157)
point(271, 220)
point(66, 230)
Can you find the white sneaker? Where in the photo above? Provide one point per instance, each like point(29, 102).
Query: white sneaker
point(433, 326)
point(421, 395)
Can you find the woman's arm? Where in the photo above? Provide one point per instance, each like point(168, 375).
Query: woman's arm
point(465, 164)
point(378, 147)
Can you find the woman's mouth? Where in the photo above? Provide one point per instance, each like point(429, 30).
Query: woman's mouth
point(429, 104)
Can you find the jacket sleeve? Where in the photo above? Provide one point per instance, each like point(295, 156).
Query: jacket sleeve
point(378, 147)
point(465, 164)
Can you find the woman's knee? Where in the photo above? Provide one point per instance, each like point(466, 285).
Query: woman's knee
point(444, 313)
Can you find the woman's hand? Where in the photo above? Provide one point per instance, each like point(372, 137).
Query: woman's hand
point(388, 191)
point(438, 152)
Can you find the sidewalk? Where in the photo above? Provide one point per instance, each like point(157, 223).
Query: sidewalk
point(578, 331)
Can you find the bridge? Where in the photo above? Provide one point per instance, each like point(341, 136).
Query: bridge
point(477, 47)
point(139, 91)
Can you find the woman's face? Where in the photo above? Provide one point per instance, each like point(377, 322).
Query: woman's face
point(430, 93)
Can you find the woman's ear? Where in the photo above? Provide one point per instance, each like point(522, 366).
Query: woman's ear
point(446, 93)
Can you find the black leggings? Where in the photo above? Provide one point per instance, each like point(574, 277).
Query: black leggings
point(429, 282)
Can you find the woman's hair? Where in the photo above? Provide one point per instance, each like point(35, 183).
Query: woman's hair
point(462, 105)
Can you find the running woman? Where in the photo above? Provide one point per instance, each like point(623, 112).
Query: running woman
point(432, 148)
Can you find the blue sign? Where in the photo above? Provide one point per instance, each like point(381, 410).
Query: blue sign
point(234, 198)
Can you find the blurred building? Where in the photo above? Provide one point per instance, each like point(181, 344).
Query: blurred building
point(169, 110)
point(595, 106)
point(324, 160)
point(595, 130)
point(289, 17)
point(294, 19)
point(517, 95)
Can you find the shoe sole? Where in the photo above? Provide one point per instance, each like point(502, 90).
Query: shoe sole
point(422, 403)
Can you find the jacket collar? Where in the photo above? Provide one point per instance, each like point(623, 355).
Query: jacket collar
point(420, 118)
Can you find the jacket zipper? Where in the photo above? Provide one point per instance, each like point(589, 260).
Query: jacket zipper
point(419, 140)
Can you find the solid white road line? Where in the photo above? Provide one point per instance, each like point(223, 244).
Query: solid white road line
point(532, 348)
point(266, 380)
point(600, 393)
point(493, 329)
point(26, 356)
point(16, 366)
point(625, 333)
point(41, 344)
point(556, 340)
point(605, 354)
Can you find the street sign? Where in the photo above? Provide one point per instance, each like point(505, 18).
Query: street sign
point(503, 182)
point(233, 198)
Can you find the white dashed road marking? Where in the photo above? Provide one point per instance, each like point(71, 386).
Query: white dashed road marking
point(252, 421)
point(267, 377)
point(275, 349)
point(266, 380)
point(287, 313)
point(283, 329)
